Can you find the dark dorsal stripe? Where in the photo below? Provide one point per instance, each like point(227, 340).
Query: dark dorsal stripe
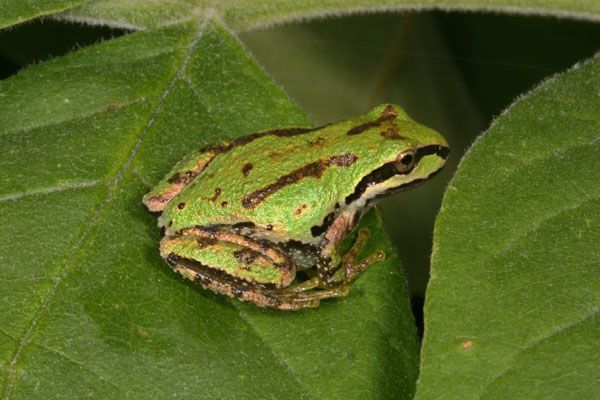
point(313, 170)
point(388, 114)
point(244, 140)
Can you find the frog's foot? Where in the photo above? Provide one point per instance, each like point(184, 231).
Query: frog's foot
point(239, 267)
point(303, 295)
point(349, 266)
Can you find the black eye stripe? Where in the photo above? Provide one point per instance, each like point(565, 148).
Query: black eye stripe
point(388, 170)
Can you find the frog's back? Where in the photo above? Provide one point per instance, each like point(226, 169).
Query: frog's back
point(288, 182)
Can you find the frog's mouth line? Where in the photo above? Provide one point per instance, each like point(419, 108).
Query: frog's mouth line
point(388, 170)
point(407, 186)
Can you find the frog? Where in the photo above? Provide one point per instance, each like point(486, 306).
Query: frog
point(242, 217)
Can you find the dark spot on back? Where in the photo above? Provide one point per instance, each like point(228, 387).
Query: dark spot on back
point(244, 140)
point(318, 142)
point(181, 205)
point(246, 256)
point(224, 204)
point(301, 209)
point(181, 177)
point(247, 168)
point(313, 170)
point(392, 133)
point(387, 115)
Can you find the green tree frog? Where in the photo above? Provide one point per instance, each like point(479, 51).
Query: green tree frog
point(240, 217)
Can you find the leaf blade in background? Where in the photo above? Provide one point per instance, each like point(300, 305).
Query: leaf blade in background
point(249, 14)
point(17, 11)
point(514, 291)
point(93, 309)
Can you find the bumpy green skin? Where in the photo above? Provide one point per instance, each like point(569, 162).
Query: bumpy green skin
point(288, 188)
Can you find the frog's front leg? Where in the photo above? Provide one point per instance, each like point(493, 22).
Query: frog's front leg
point(236, 266)
point(337, 271)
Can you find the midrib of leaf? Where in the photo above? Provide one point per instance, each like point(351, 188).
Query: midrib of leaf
point(90, 113)
point(49, 190)
point(111, 185)
point(512, 241)
point(550, 334)
point(79, 116)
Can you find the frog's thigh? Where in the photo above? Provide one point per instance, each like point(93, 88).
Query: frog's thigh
point(246, 265)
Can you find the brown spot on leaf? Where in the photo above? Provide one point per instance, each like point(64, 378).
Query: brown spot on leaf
point(314, 170)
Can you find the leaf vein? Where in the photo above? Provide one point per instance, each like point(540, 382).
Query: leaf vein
point(73, 118)
point(78, 363)
point(27, 337)
point(534, 343)
point(49, 190)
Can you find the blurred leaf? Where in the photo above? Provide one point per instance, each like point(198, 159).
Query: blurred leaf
point(250, 14)
point(15, 11)
point(90, 309)
point(512, 305)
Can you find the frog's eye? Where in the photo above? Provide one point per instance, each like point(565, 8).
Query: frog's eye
point(405, 161)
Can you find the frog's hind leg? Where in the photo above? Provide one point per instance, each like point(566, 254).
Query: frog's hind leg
point(225, 284)
point(236, 266)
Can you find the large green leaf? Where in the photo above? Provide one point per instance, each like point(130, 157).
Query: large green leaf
point(512, 305)
point(16, 11)
point(90, 309)
point(248, 14)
